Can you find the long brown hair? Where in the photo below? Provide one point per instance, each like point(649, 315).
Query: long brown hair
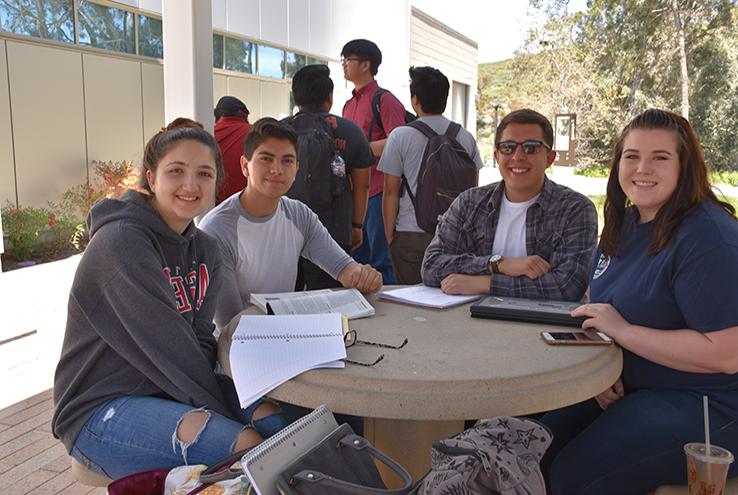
point(693, 187)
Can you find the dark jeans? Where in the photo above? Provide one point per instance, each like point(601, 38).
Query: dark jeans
point(632, 447)
point(374, 250)
point(407, 250)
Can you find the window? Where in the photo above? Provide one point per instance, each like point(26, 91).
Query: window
point(150, 40)
point(459, 102)
point(106, 27)
point(271, 62)
point(218, 51)
point(294, 62)
point(48, 19)
point(239, 55)
point(313, 61)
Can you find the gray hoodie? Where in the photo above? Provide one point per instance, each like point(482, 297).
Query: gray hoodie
point(140, 316)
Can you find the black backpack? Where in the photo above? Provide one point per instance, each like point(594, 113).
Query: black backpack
point(377, 116)
point(446, 171)
point(316, 147)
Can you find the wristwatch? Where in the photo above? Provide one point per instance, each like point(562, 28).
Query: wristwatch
point(493, 265)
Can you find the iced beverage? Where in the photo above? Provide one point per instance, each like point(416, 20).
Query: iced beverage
point(706, 474)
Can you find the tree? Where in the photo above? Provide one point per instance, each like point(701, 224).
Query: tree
point(684, 73)
point(49, 19)
point(620, 57)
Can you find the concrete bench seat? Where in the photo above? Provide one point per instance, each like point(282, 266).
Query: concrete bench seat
point(87, 477)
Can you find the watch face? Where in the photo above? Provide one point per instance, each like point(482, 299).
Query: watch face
point(495, 258)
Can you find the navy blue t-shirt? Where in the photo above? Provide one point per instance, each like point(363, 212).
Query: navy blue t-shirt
point(692, 283)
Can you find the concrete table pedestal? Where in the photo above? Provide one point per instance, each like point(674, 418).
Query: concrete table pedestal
point(408, 442)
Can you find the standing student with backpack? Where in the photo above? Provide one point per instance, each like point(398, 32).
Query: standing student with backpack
point(335, 160)
point(443, 153)
point(376, 117)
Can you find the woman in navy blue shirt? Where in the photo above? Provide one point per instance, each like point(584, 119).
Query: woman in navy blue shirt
point(664, 287)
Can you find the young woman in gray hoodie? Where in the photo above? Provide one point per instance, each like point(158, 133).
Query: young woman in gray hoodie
point(135, 388)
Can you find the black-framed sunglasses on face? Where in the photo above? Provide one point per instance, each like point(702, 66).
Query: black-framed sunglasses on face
point(530, 147)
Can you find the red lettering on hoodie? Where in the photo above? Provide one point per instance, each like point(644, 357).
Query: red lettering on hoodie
point(191, 283)
point(204, 282)
point(180, 296)
point(197, 284)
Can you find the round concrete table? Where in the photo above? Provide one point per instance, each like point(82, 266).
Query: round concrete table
point(454, 367)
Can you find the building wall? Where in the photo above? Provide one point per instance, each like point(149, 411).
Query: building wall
point(63, 106)
point(7, 162)
point(98, 106)
point(48, 120)
point(452, 54)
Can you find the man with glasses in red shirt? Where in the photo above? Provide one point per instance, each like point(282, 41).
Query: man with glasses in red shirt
point(361, 59)
point(524, 236)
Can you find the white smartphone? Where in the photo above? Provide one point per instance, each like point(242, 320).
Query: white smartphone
point(585, 337)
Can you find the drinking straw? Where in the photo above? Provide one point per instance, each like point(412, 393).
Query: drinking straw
point(708, 451)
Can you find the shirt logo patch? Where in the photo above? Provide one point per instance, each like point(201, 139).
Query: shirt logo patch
point(602, 265)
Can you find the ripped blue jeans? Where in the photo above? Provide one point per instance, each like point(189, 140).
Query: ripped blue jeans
point(135, 433)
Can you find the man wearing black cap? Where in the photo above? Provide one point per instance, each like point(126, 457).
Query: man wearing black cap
point(231, 127)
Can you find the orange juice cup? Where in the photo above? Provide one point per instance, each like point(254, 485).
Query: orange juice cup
point(706, 474)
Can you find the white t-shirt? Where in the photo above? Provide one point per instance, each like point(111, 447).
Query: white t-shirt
point(510, 233)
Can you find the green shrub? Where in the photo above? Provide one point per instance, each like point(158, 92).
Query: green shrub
point(32, 230)
point(724, 177)
point(110, 180)
point(593, 171)
point(46, 231)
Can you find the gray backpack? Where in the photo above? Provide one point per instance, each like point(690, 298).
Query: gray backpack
point(446, 171)
point(498, 456)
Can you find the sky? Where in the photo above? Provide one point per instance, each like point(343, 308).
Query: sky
point(498, 26)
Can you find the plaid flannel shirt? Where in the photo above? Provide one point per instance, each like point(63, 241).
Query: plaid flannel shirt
point(560, 227)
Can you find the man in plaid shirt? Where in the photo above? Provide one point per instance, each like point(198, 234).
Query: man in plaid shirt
point(525, 236)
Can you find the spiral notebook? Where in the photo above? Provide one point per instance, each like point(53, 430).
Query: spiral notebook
point(266, 351)
point(263, 463)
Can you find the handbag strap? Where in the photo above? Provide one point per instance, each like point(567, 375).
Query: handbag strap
point(357, 442)
point(329, 484)
point(221, 470)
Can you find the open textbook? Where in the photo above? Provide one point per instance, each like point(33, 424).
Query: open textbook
point(349, 302)
point(427, 297)
point(266, 351)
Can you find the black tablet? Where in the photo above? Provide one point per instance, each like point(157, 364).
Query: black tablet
point(527, 310)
